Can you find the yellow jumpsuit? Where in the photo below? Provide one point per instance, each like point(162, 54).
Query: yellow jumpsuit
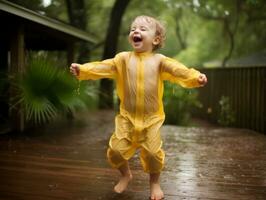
point(139, 81)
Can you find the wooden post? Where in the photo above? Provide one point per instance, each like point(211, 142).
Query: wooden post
point(17, 63)
point(70, 59)
point(4, 87)
point(70, 53)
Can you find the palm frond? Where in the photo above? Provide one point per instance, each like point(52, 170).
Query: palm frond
point(46, 91)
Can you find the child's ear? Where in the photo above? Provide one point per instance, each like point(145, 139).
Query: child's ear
point(156, 41)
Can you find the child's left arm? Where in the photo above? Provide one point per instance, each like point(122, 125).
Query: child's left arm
point(176, 72)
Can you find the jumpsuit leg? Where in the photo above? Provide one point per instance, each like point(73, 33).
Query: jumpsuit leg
point(120, 148)
point(152, 162)
point(119, 151)
point(151, 155)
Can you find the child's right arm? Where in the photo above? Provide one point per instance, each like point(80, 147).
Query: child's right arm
point(101, 69)
point(94, 70)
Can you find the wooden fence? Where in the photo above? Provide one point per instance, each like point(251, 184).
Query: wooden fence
point(246, 89)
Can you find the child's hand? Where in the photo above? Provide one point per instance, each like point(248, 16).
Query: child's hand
point(74, 69)
point(202, 79)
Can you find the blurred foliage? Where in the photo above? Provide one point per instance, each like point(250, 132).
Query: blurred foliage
point(178, 103)
point(36, 5)
point(226, 114)
point(198, 31)
point(218, 27)
point(55, 9)
point(46, 91)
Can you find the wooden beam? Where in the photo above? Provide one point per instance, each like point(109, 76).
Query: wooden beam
point(17, 63)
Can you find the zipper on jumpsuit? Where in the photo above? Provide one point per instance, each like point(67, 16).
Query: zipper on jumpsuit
point(139, 113)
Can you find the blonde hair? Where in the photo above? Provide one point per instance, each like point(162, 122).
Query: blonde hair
point(160, 29)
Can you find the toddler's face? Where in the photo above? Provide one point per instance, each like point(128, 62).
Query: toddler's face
point(142, 35)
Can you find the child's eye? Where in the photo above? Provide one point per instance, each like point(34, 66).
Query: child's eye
point(143, 29)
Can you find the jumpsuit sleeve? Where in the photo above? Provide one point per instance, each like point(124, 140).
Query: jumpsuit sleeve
point(176, 72)
point(99, 69)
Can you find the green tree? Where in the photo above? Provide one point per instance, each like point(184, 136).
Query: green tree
point(220, 25)
point(36, 5)
point(77, 13)
point(110, 49)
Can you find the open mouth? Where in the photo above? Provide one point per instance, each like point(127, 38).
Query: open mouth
point(137, 39)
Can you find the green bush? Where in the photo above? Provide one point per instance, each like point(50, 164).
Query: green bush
point(46, 91)
point(226, 115)
point(178, 102)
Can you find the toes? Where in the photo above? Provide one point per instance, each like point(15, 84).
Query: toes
point(154, 198)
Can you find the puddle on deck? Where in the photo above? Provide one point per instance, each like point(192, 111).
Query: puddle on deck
point(67, 161)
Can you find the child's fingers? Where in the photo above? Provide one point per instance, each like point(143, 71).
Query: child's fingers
point(202, 79)
point(74, 65)
point(73, 70)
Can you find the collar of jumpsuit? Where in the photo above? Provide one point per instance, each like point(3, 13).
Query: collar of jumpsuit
point(143, 54)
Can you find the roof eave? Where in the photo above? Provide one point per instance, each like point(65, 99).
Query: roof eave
point(45, 21)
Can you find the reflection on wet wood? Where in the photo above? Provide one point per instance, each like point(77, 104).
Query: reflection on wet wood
point(67, 161)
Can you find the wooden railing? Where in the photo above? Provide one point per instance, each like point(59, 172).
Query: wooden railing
point(246, 90)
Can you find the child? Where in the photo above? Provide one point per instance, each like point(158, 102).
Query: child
point(139, 77)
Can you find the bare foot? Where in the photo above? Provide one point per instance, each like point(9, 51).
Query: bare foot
point(156, 191)
point(123, 183)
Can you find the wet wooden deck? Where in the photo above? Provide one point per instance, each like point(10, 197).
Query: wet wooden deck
point(67, 161)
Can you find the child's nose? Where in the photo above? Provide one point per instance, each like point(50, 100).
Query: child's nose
point(136, 31)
